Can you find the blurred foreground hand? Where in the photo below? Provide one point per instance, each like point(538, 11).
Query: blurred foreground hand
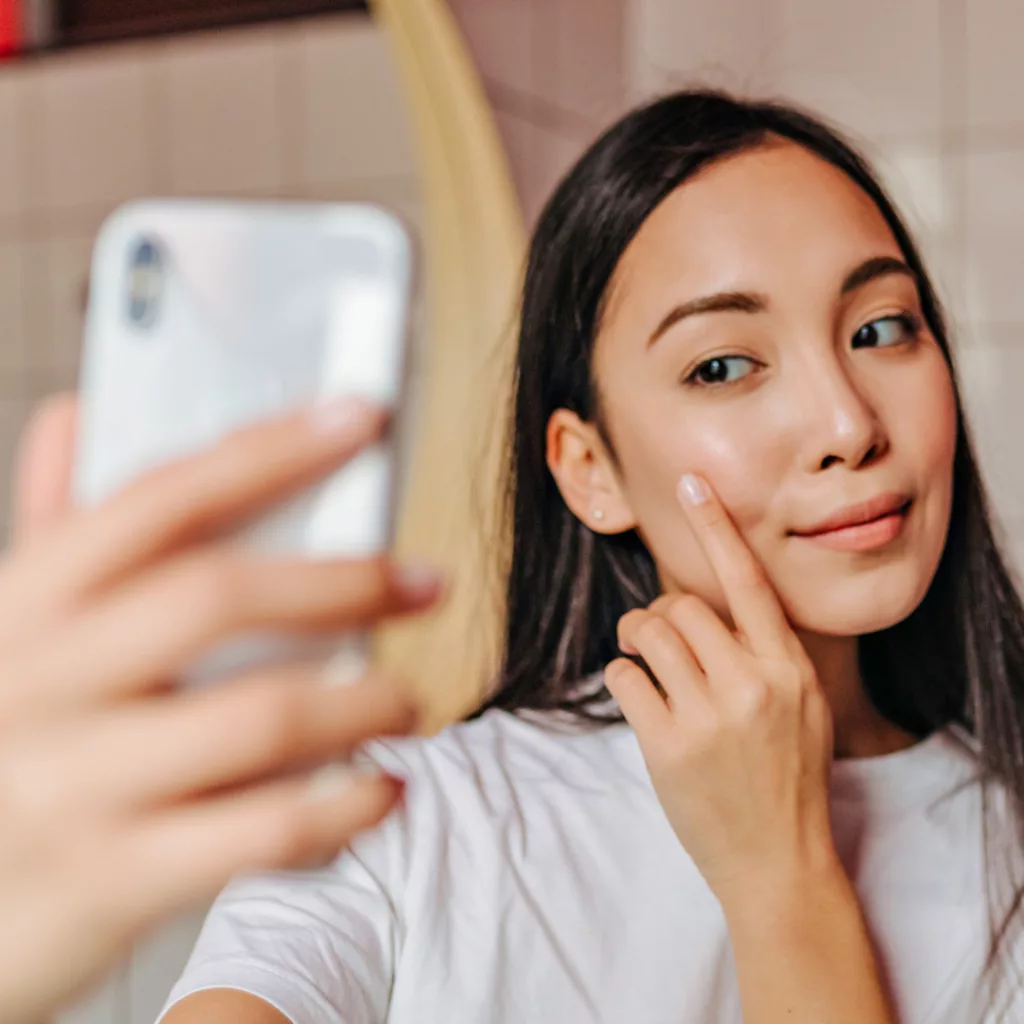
point(121, 798)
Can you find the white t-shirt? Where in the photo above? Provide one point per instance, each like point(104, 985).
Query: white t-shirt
point(532, 877)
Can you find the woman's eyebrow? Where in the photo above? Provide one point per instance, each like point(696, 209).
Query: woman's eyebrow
point(869, 270)
point(721, 302)
point(751, 302)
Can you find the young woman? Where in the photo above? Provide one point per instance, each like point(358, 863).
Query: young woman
point(738, 461)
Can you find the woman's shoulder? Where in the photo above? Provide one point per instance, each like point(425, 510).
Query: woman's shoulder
point(503, 750)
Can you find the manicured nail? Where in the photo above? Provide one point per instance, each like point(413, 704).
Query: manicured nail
point(418, 580)
point(341, 414)
point(693, 489)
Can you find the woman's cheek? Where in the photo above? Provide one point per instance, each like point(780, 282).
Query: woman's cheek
point(738, 477)
point(741, 470)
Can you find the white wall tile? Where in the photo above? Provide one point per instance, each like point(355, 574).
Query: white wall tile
point(538, 158)
point(353, 119)
point(68, 267)
point(1012, 531)
point(14, 338)
point(156, 964)
point(501, 35)
point(581, 57)
point(677, 44)
point(991, 369)
point(57, 266)
point(995, 236)
point(917, 178)
point(873, 66)
point(924, 183)
point(995, 72)
point(220, 93)
point(12, 155)
point(403, 195)
point(13, 416)
point(93, 130)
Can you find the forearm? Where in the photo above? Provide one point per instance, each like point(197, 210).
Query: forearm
point(804, 954)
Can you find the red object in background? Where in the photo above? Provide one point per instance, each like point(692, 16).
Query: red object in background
point(10, 26)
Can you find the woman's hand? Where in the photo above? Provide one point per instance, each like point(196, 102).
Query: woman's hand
point(122, 799)
point(739, 751)
point(739, 747)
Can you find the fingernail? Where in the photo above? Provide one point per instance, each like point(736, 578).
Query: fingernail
point(332, 780)
point(340, 414)
point(693, 489)
point(419, 580)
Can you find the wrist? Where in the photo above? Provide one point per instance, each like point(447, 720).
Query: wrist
point(804, 951)
point(790, 891)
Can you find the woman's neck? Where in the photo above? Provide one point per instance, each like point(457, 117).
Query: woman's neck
point(859, 728)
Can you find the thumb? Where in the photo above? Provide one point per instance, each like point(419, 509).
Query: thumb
point(42, 476)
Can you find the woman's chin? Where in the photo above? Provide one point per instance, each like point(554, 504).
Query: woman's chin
point(852, 610)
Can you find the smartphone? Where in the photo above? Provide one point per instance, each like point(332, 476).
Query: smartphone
point(204, 316)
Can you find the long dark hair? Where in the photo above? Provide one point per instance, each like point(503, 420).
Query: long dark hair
point(958, 658)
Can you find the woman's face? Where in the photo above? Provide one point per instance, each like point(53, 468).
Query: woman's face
point(763, 331)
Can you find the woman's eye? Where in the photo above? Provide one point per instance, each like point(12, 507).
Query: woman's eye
point(888, 330)
point(722, 370)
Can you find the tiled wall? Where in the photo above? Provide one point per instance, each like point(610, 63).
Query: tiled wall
point(932, 88)
point(307, 109)
point(555, 72)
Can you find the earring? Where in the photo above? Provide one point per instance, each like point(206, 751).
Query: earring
point(598, 514)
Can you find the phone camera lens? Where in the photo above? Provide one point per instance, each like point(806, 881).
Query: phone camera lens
point(145, 282)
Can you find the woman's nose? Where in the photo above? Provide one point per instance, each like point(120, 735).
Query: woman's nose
point(841, 424)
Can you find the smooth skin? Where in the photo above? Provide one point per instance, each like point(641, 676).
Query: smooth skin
point(122, 798)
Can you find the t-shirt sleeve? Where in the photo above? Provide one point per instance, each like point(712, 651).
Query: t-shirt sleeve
point(319, 946)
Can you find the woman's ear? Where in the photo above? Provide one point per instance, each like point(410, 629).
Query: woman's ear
point(585, 474)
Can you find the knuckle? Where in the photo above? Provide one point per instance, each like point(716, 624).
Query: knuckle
point(787, 677)
point(688, 605)
point(651, 630)
point(750, 701)
point(686, 611)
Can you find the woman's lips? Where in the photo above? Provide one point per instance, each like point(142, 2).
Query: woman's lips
point(867, 536)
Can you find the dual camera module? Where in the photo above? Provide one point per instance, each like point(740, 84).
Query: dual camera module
point(145, 282)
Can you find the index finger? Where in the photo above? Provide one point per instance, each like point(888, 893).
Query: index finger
point(756, 609)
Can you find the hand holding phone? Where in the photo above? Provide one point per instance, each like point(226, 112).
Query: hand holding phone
point(121, 802)
point(208, 316)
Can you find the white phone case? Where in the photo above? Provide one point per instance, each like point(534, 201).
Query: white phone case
point(207, 315)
